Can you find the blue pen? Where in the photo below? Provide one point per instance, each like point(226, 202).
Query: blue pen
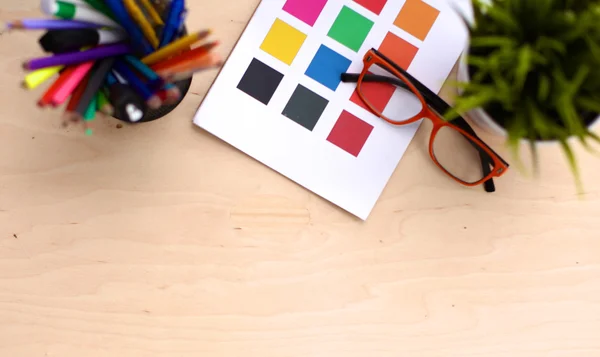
point(111, 79)
point(156, 82)
point(137, 84)
point(137, 37)
point(174, 22)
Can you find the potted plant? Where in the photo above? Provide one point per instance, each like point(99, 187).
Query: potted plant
point(532, 71)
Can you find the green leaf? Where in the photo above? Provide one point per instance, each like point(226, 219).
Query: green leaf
point(543, 88)
point(523, 67)
point(588, 104)
point(546, 43)
point(503, 18)
point(492, 41)
point(572, 163)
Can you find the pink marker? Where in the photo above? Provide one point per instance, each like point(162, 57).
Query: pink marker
point(71, 83)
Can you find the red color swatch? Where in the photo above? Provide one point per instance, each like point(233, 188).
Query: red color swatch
point(398, 50)
point(350, 133)
point(377, 94)
point(372, 5)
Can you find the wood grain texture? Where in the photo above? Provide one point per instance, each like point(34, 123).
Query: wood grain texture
point(160, 240)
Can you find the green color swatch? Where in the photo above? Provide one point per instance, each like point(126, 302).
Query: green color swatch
point(350, 29)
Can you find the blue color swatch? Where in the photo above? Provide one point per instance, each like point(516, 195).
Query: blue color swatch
point(327, 67)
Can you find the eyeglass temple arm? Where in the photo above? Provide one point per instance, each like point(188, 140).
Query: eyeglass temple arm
point(486, 160)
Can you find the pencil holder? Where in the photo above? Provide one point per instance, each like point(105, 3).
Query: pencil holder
point(126, 59)
point(165, 109)
point(184, 86)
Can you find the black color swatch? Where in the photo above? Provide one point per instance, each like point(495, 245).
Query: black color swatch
point(305, 107)
point(260, 81)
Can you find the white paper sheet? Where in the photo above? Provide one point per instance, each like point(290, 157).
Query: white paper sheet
point(306, 157)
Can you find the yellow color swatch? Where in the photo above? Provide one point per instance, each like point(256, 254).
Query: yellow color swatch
point(283, 42)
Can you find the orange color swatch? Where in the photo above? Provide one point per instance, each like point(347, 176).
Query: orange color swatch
point(398, 50)
point(417, 17)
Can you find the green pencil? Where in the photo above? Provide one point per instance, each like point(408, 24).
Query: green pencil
point(90, 113)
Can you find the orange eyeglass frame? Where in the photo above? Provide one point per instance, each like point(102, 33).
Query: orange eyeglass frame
point(374, 57)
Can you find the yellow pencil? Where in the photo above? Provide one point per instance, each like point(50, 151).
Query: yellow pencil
point(138, 15)
point(36, 78)
point(175, 47)
point(151, 10)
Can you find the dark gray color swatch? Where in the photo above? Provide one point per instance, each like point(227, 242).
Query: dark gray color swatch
point(305, 107)
point(260, 81)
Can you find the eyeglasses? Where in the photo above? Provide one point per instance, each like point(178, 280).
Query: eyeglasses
point(453, 146)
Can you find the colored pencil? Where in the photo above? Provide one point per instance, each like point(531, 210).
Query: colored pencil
point(180, 76)
point(103, 104)
point(175, 47)
point(36, 78)
point(137, 14)
point(185, 56)
point(90, 111)
point(153, 77)
point(63, 41)
point(151, 11)
point(138, 85)
point(172, 92)
point(137, 38)
point(78, 57)
point(46, 99)
point(69, 115)
point(169, 96)
point(97, 78)
point(52, 24)
point(209, 60)
point(67, 11)
point(71, 83)
point(173, 22)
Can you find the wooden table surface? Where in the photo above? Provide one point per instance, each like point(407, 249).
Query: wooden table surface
point(160, 240)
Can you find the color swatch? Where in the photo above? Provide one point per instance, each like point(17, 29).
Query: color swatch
point(350, 29)
point(327, 67)
point(374, 6)
point(350, 133)
point(307, 11)
point(417, 18)
point(260, 81)
point(305, 107)
point(398, 50)
point(283, 42)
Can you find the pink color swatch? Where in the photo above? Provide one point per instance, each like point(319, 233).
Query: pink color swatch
point(307, 11)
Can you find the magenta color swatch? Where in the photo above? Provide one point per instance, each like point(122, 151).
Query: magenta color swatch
point(307, 11)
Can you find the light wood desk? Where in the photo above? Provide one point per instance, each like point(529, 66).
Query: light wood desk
point(160, 240)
